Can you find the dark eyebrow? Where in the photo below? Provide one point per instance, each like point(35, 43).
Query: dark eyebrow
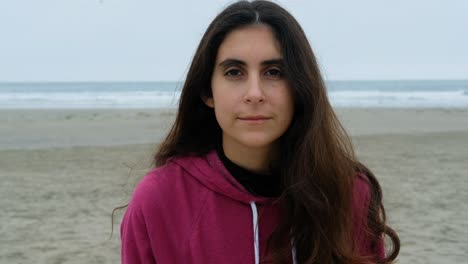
point(279, 62)
point(230, 62)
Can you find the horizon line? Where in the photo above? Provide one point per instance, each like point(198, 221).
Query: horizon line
point(182, 81)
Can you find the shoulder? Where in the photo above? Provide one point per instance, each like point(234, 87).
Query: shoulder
point(368, 243)
point(160, 183)
point(162, 211)
point(155, 183)
point(165, 188)
point(361, 195)
point(361, 187)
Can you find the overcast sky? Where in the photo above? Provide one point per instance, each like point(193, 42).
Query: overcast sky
point(150, 40)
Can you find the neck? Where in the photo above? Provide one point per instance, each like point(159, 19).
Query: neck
point(253, 159)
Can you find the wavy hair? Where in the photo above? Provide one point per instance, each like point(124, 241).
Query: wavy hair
point(317, 160)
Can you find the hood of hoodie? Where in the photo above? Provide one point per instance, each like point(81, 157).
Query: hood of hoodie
point(210, 171)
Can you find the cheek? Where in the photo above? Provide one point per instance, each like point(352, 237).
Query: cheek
point(226, 98)
point(223, 110)
point(284, 100)
point(287, 108)
point(224, 113)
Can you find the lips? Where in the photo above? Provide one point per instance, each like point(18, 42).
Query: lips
point(254, 118)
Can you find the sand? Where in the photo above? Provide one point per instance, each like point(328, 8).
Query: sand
point(63, 171)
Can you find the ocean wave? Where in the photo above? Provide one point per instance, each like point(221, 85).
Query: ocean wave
point(153, 96)
point(399, 98)
point(89, 100)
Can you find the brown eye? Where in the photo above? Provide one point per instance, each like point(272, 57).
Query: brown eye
point(274, 73)
point(233, 73)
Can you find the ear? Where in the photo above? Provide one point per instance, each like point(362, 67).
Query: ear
point(208, 101)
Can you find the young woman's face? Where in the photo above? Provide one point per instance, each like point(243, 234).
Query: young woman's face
point(251, 98)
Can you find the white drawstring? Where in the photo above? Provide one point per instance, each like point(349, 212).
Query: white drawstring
point(293, 252)
point(255, 230)
point(256, 240)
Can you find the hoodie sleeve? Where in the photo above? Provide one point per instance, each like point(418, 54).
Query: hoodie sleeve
point(136, 245)
point(360, 209)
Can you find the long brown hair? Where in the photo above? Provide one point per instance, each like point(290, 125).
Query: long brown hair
point(317, 160)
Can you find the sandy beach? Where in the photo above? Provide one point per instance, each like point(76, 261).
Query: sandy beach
point(63, 171)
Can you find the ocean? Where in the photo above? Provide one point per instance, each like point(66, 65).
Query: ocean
point(361, 94)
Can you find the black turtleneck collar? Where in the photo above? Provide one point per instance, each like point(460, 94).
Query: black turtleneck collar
point(266, 185)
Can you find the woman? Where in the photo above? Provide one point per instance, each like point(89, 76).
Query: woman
point(257, 167)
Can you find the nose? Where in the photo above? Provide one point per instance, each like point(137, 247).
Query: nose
point(254, 91)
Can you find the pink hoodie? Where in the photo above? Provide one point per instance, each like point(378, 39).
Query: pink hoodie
point(193, 211)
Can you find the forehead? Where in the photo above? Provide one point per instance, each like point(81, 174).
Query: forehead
point(250, 44)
